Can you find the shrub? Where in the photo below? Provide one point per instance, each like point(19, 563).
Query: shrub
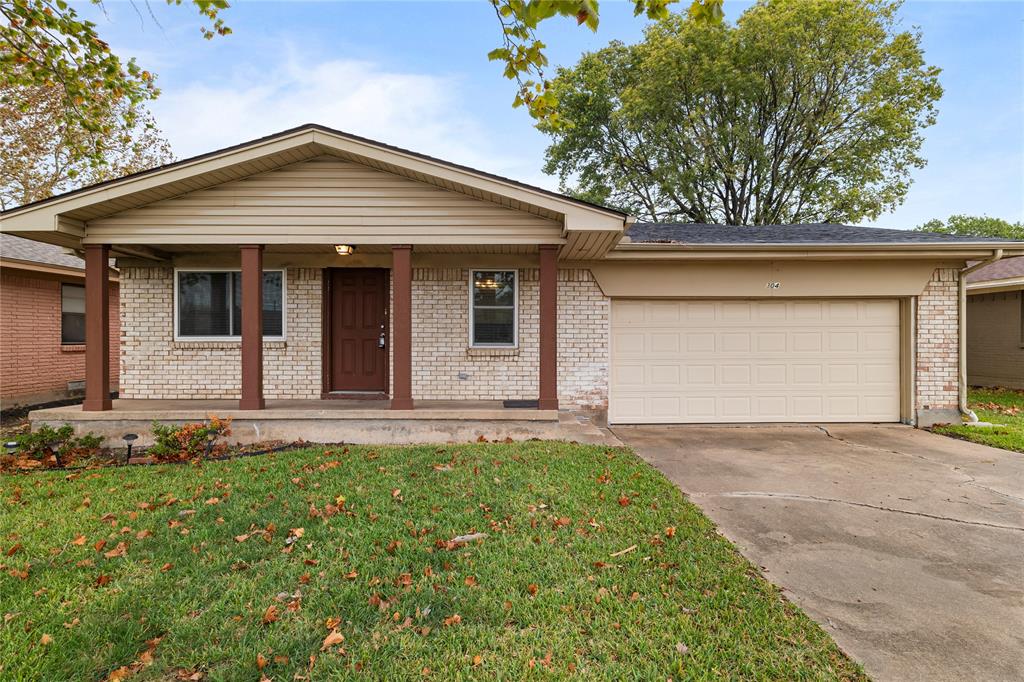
point(47, 441)
point(189, 441)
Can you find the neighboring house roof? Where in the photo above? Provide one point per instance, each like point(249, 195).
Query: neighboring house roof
point(808, 233)
point(26, 254)
point(1003, 275)
point(17, 248)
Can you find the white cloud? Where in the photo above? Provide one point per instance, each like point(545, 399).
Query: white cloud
point(421, 112)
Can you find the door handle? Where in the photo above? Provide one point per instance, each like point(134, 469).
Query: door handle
point(380, 340)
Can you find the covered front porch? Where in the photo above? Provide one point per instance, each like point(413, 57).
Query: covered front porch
point(334, 421)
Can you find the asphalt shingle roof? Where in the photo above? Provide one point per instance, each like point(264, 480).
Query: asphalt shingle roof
point(810, 233)
point(1001, 269)
point(19, 248)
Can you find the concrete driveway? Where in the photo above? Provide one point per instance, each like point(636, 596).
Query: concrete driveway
point(906, 546)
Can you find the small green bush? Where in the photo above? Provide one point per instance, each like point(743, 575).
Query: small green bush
point(189, 441)
point(46, 441)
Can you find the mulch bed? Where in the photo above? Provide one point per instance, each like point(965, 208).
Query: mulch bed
point(115, 457)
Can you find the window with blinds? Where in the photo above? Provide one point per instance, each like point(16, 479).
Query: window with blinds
point(209, 304)
point(493, 301)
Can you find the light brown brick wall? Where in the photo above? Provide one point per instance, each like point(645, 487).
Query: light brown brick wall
point(154, 365)
point(34, 366)
point(938, 342)
point(995, 355)
point(441, 352)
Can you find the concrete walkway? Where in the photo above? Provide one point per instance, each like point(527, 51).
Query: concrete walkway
point(906, 546)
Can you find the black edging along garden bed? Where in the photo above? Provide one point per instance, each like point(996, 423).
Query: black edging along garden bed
point(121, 463)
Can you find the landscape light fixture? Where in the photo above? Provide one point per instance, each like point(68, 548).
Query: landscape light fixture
point(129, 440)
point(344, 249)
point(12, 446)
point(211, 438)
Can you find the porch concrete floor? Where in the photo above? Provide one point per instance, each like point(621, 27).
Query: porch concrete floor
point(298, 409)
point(335, 421)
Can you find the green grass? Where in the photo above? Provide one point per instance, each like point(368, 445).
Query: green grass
point(541, 597)
point(998, 406)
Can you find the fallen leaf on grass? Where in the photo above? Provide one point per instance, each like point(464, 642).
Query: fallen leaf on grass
point(271, 614)
point(46, 640)
point(452, 620)
point(333, 638)
point(261, 661)
point(166, 567)
point(624, 501)
point(80, 540)
point(670, 532)
point(120, 550)
point(532, 589)
point(143, 534)
point(102, 580)
point(14, 548)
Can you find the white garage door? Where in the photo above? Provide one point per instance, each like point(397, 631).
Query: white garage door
point(754, 361)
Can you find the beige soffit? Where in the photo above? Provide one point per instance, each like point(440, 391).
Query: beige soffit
point(588, 230)
point(764, 279)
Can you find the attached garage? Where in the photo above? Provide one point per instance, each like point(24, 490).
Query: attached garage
point(770, 360)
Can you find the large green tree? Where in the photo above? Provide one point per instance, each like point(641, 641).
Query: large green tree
point(975, 226)
point(803, 111)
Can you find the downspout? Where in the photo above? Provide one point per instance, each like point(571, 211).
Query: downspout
point(962, 321)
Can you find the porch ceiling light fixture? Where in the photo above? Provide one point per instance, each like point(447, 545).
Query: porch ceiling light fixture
point(344, 249)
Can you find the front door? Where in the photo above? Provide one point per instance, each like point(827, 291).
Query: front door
point(358, 325)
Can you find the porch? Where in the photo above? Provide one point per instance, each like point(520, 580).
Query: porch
point(333, 421)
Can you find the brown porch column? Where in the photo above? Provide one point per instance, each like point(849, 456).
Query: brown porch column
point(252, 328)
point(97, 328)
point(401, 318)
point(548, 393)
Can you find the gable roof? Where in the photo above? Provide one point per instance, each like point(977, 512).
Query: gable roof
point(807, 233)
point(298, 129)
point(587, 230)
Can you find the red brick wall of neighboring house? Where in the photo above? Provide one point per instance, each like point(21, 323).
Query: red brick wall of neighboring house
point(34, 366)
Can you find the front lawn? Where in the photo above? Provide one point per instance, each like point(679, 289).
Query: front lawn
point(998, 406)
point(320, 564)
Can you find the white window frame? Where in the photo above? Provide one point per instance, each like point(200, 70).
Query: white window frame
point(284, 307)
point(515, 309)
point(82, 287)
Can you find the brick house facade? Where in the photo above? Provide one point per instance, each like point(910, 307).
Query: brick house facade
point(314, 266)
point(35, 366)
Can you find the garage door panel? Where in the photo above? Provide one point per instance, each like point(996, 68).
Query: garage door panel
point(737, 361)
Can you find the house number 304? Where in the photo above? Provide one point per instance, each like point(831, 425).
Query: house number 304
point(774, 285)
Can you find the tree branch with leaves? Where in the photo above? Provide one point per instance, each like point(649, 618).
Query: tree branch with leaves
point(523, 53)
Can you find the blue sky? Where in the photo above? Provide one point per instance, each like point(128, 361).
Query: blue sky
point(415, 74)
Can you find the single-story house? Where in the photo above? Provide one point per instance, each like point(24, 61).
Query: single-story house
point(995, 324)
point(42, 323)
point(313, 266)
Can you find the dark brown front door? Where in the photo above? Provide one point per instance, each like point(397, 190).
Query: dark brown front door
point(358, 343)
